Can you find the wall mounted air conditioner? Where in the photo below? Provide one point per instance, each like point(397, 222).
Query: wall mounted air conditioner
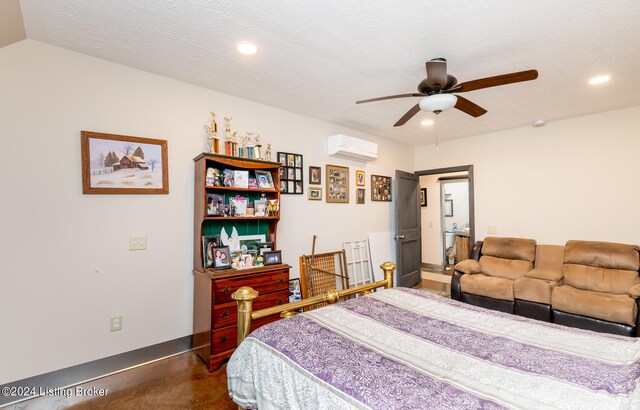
point(352, 148)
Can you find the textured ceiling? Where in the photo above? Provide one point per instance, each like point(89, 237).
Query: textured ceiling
point(317, 58)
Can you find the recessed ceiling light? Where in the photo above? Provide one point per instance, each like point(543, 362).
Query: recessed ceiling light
point(539, 123)
point(427, 123)
point(599, 79)
point(245, 47)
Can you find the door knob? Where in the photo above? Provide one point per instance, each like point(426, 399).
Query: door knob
point(399, 237)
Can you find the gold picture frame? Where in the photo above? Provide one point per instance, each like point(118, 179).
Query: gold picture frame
point(337, 183)
point(120, 164)
point(380, 188)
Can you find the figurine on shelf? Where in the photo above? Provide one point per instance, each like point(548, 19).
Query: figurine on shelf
point(267, 155)
point(258, 146)
point(272, 209)
point(213, 142)
point(235, 261)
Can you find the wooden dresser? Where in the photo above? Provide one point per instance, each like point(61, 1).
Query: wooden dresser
point(215, 313)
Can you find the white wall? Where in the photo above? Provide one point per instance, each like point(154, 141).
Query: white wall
point(459, 194)
point(571, 179)
point(431, 221)
point(431, 217)
point(66, 268)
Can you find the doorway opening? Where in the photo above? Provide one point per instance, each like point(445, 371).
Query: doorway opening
point(447, 218)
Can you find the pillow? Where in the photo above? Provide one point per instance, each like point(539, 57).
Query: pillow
point(468, 266)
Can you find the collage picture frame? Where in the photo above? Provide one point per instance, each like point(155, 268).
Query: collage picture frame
point(291, 179)
point(337, 184)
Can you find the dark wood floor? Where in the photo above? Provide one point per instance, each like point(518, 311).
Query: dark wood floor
point(179, 382)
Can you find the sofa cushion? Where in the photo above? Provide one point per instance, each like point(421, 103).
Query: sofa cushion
point(479, 284)
point(634, 292)
point(544, 274)
point(533, 290)
point(504, 268)
point(510, 248)
point(603, 255)
point(549, 257)
point(468, 266)
point(599, 279)
point(605, 306)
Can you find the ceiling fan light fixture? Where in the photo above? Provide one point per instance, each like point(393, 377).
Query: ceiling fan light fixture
point(246, 47)
point(601, 79)
point(438, 102)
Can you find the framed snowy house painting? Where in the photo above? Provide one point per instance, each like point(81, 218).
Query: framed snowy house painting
point(118, 164)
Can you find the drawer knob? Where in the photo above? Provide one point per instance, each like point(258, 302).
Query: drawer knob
point(280, 301)
point(281, 280)
point(226, 290)
point(225, 314)
point(223, 340)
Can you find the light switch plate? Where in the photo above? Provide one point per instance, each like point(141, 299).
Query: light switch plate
point(492, 230)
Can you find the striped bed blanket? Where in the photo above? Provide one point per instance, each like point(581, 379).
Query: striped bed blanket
point(408, 349)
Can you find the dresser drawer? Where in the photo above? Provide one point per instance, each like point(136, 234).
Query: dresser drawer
point(227, 337)
point(226, 314)
point(263, 283)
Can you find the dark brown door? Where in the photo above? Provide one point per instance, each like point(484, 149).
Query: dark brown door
point(408, 229)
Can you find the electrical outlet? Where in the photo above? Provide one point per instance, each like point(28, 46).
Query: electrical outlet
point(115, 324)
point(492, 230)
point(137, 243)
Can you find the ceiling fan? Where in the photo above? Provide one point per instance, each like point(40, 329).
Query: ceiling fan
point(438, 88)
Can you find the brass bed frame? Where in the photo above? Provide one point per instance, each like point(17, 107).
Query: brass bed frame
point(245, 296)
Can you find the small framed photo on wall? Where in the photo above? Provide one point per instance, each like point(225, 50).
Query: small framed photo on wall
point(359, 178)
point(423, 196)
point(360, 196)
point(314, 193)
point(315, 175)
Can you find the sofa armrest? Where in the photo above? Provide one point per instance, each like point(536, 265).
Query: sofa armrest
point(634, 292)
point(476, 250)
point(468, 266)
point(456, 293)
point(544, 274)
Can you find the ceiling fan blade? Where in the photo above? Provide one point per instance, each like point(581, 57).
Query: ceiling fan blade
point(413, 111)
point(389, 97)
point(495, 81)
point(437, 73)
point(469, 107)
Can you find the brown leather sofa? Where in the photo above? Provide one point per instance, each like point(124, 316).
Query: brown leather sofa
point(590, 285)
point(600, 288)
point(488, 279)
point(532, 294)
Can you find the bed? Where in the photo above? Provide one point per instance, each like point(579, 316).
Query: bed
point(406, 349)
